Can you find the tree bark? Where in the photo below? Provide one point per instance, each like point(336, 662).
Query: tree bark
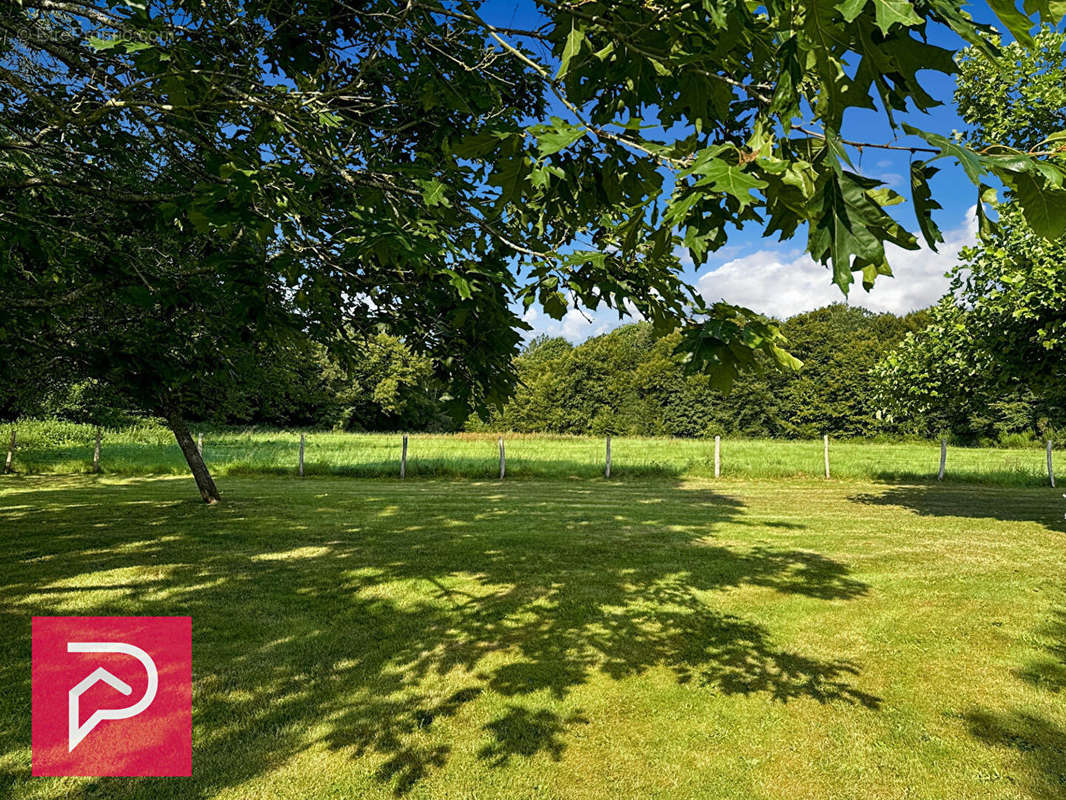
point(203, 479)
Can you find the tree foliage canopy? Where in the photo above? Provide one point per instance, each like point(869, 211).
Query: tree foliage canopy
point(630, 382)
point(1001, 329)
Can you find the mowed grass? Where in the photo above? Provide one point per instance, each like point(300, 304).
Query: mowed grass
point(59, 448)
point(566, 639)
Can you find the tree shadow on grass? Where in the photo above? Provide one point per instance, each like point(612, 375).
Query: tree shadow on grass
point(521, 732)
point(1049, 671)
point(976, 478)
point(1040, 741)
point(1043, 505)
point(360, 618)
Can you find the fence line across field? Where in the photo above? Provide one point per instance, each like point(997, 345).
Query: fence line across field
point(889, 460)
point(717, 457)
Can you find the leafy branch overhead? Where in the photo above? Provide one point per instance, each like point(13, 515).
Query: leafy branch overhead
point(760, 97)
point(428, 167)
point(685, 121)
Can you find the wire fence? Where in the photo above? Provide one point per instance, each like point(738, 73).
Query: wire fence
point(144, 451)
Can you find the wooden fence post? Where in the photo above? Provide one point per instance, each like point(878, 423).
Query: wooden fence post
point(503, 460)
point(1050, 471)
point(200, 444)
point(825, 440)
point(607, 471)
point(96, 452)
point(943, 458)
point(403, 458)
point(717, 456)
point(10, 452)
point(301, 455)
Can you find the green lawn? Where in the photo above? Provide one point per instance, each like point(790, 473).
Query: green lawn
point(56, 448)
point(566, 639)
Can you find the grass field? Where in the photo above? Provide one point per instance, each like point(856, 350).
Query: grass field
point(49, 447)
point(658, 638)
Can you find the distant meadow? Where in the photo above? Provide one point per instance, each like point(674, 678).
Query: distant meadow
point(50, 447)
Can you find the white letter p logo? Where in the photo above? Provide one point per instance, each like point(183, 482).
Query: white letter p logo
point(78, 732)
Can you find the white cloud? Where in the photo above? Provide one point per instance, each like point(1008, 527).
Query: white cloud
point(578, 325)
point(783, 282)
point(575, 326)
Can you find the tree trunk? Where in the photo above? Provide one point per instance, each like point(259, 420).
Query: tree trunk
point(204, 483)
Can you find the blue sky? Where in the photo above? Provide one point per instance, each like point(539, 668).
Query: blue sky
point(776, 277)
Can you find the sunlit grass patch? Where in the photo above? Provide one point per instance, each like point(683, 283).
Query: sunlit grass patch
point(568, 638)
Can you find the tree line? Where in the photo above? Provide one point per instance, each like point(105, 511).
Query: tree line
point(629, 381)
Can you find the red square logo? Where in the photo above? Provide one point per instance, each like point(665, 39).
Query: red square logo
point(112, 696)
